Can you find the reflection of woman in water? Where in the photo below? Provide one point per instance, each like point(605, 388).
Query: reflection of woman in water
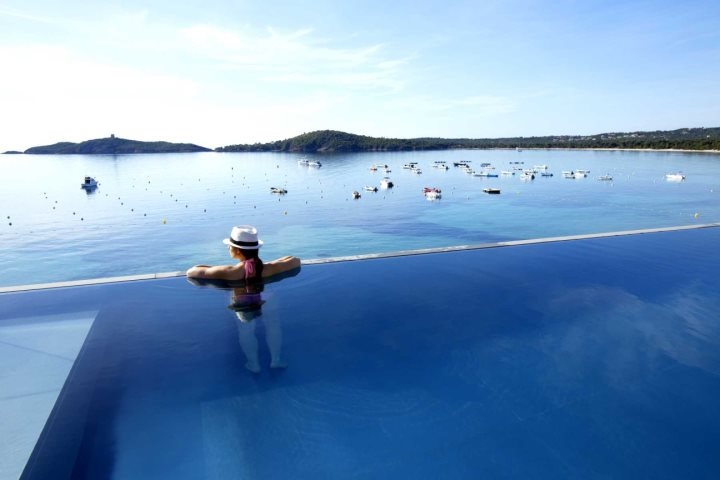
point(243, 245)
point(247, 303)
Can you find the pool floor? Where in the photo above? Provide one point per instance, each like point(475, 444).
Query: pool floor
point(595, 358)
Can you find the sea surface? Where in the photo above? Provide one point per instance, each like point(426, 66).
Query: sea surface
point(166, 212)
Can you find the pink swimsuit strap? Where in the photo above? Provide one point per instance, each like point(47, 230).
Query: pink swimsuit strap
point(249, 268)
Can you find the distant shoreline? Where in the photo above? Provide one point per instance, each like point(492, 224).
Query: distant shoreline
point(606, 149)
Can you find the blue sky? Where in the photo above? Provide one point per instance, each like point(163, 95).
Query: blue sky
point(218, 73)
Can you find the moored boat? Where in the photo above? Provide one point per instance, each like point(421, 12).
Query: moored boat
point(432, 193)
point(89, 183)
point(675, 177)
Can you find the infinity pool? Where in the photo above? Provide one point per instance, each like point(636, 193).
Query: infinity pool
point(594, 358)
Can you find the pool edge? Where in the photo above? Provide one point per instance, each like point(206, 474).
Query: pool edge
point(368, 256)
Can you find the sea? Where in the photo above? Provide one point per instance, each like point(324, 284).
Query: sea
point(166, 212)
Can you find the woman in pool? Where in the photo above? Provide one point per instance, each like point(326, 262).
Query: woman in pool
point(243, 245)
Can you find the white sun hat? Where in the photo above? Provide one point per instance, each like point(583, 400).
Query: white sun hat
point(244, 236)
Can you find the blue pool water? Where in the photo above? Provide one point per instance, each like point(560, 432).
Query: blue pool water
point(585, 359)
point(160, 213)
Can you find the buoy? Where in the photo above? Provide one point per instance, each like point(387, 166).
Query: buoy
point(285, 212)
point(696, 215)
point(164, 221)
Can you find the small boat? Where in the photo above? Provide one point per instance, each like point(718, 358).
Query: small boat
point(675, 177)
point(386, 183)
point(540, 167)
point(314, 163)
point(369, 188)
point(493, 191)
point(432, 193)
point(546, 174)
point(580, 173)
point(606, 178)
point(278, 190)
point(441, 165)
point(410, 165)
point(485, 174)
point(356, 194)
point(303, 161)
point(568, 174)
point(508, 172)
point(373, 168)
point(89, 183)
point(527, 176)
point(417, 170)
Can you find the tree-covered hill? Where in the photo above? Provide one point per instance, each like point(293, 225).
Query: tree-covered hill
point(334, 141)
point(114, 145)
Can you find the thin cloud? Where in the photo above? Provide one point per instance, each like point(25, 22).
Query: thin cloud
point(296, 57)
point(11, 12)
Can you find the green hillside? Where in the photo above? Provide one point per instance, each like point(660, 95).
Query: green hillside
point(334, 141)
point(114, 145)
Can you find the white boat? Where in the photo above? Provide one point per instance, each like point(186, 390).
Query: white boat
point(492, 191)
point(278, 190)
point(410, 165)
point(356, 194)
point(540, 167)
point(441, 165)
point(606, 178)
point(485, 174)
point(314, 163)
point(546, 174)
point(369, 188)
point(568, 174)
point(89, 183)
point(508, 172)
point(386, 183)
point(417, 170)
point(303, 161)
point(432, 193)
point(675, 177)
point(582, 173)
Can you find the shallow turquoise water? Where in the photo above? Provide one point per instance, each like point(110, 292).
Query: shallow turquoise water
point(156, 213)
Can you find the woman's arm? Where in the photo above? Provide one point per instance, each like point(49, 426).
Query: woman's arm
point(281, 265)
point(218, 272)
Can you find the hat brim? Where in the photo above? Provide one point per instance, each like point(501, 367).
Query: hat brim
point(228, 241)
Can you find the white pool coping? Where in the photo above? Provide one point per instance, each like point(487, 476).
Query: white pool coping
point(349, 258)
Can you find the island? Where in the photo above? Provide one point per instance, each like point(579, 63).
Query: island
point(333, 141)
point(114, 145)
point(329, 141)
